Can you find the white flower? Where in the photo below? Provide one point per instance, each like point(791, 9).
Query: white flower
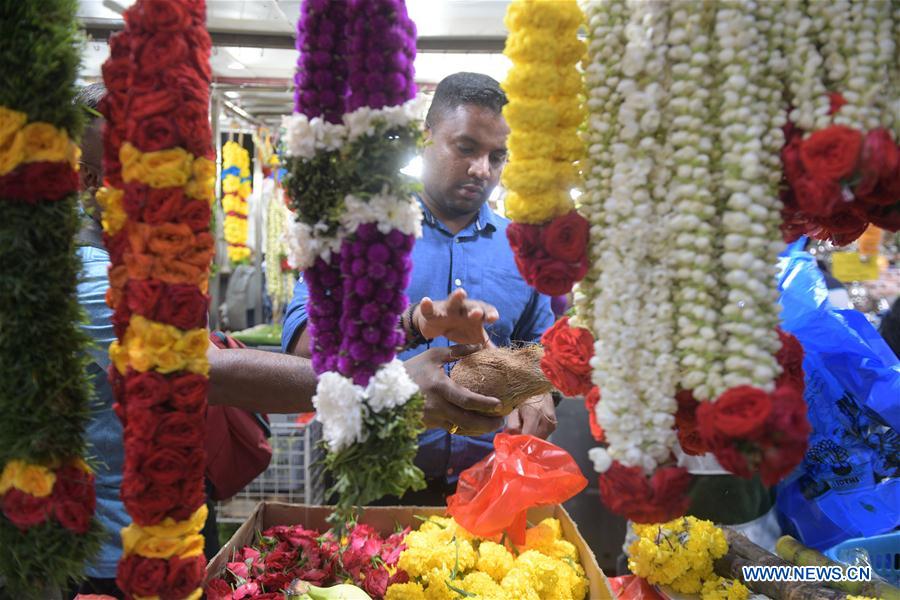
point(387, 211)
point(390, 387)
point(601, 459)
point(364, 120)
point(339, 407)
point(300, 139)
point(305, 243)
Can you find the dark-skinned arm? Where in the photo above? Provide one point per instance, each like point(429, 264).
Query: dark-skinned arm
point(260, 381)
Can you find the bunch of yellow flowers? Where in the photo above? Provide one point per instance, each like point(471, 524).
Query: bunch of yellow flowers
point(545, 108)
point(445, 562)
point(680, 554)
point(236, 189)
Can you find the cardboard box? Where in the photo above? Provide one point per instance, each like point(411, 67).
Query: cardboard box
point(385, 519)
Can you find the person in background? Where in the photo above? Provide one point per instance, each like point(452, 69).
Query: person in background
point(463, 246)
point(258, 381)
point(837, 292)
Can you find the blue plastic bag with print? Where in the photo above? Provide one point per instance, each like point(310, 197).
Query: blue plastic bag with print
point(848, 484)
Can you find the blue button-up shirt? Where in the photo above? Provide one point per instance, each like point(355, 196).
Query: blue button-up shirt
point(478, 259)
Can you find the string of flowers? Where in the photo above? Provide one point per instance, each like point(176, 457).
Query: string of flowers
point(548, 236)
point(236, 188)
point(47, 496)
point(161, 253)
point(353, 238)
point(280, 277)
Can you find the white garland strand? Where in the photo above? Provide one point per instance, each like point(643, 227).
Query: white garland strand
point(749, 316)
point(807, 90)
point(279, 285)
point(695, 222)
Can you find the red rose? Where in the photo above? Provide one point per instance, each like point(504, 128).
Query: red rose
point(778, 462)
point(180, 430)
point(74, 516)
point(376, 582)
point(200, 44)
point(556, 278)
point(183, 306)
point(399, 576)
point(218, 589)
point(195, 214)
point(24, 510)
point(116, 245)
point(189, 83)
point(189, 392)
point(818, 197)
point(879, 161)
point(705, 416)
point(162, 205)
point(844, 227)
point(39, 181)
point(628, 492)
point(143, 296)
point(733, 461)
point(119, 45)
point(831, 153)
point(141, 426)
point(566, 359)
point(185, 576)
point(278, 560)
point(835, 102)
point(115, 76)
point(156, 133)
point(742, 411)
point(790, 157)
point(790, 357)
point(151, 504)
point(157, 52)
point(193, 495)
point(165, 15)
point(686, 424)
point(590, 403)
point(141, 576)
point(886, 217)
point(164, 466)
point(74, 484)
point(524, 239)
point(789, 414)
point(566, 237)
point(194, 128)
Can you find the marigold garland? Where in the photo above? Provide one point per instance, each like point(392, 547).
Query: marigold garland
point(160, 177)
point(47, 496)
point(236, 189)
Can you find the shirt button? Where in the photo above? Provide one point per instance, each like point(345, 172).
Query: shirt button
point(450, 471)
point(458, 240)
point(457, 281)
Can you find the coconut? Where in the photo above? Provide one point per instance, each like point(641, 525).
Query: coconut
point(512, 375)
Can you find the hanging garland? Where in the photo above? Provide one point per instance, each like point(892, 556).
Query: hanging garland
point(156, 227)
point(47, 501)
point(236, 189)
point(356, 223)
point(280, 277)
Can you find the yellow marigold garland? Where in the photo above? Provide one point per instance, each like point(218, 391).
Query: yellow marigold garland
point(236, 189)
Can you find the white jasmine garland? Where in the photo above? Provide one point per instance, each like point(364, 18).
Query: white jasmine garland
point(388, 211)
point(340, 408)
point(390, 387)
point(279, 285)
point(364, 120)
point(808, 94)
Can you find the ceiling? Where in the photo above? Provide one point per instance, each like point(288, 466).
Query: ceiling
point(254, 57)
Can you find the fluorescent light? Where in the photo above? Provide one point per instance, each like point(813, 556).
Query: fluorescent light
point(232, 94)
point(236, 65)
point(414, 168)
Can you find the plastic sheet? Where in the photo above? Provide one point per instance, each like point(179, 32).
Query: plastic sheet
point(847, 485)
point(631, 587)
point(522, 472)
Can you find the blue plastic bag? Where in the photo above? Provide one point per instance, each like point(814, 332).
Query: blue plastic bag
point(848, 484)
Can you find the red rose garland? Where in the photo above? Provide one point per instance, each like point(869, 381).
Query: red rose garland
point(159, 174)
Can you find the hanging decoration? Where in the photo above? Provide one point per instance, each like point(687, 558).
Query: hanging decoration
point(47, 496)
point(280, 277)
point(156, 227)
point(236, 188)
point(357, 122)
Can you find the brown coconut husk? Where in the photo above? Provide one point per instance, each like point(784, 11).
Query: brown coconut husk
point(512, 375)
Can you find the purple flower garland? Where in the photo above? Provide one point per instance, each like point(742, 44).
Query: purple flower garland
point(321, 78)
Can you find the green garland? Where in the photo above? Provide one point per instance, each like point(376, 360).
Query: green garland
point(44, 390)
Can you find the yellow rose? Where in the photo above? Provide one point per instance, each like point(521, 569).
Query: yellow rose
point(73, 155)
point(114, 215)
point(10, 471)
point(159, 169)
point(537, 209)
point(34, 479)
point(169, 527)
point(10, 122)
point(169, 361)
point(118, 356)
point(12, 152)
point(44, 142)
point(203, 180)
point(193, 344)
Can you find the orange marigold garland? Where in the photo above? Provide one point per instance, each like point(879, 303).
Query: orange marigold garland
point(47, 501)
point(160, 177)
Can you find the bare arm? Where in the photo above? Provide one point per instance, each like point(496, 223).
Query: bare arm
point(260, 381)
point(301, 347)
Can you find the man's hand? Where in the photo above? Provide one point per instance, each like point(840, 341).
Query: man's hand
point(448, 405)
point(457, 318)
point(536, 416)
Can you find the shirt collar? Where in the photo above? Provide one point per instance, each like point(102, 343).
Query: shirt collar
point(484, 220)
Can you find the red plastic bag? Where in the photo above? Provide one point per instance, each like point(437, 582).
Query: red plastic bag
point(631, 587)
point(522, 472)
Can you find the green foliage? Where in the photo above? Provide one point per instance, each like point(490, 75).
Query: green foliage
point(44, 557)
point(44, 391)
point(383, 464)
point(39, 58)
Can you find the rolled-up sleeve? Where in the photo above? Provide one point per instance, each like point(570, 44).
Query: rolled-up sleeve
point(295, 316)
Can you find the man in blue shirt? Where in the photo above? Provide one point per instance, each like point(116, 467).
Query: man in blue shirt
point(463, 246)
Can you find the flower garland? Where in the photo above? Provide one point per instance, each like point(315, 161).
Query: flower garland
point(236, 189)
point(160, 177)
point(680, 554)
point(544, 111)
point(841, 160)
point(47, 496)
point(357, 220)
point(683, 171)
point(280, 277)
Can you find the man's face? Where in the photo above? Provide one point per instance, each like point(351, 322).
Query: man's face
point(464, 158)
